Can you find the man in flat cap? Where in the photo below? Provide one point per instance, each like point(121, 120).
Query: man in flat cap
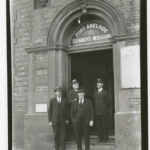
point(101, 105)
point(58, 118)
point(72, 97)
point(82, 118)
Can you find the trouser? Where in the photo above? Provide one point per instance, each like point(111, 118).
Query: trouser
point(70, 132)
point(80, 129)
point(59, 136)
point(101, 126)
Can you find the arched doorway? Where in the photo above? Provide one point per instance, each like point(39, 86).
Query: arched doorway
point(59, 57)
point(66, 21)
point(66, 24)
point(65, 52)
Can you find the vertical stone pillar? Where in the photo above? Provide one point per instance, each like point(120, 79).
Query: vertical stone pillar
point(116, 63)
point(54, 60)
point(57, 74)
point(63, 69)
point(52, 75)
point(58, 68)
point(127, 98)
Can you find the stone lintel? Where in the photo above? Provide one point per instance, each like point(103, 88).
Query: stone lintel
point(96, 46)
point(126, 37)
point(46, 48)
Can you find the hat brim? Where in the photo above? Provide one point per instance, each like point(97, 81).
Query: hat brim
point(75, 83)
point(100, 82)
point(59, 90)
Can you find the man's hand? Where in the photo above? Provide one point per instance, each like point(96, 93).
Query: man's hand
point(75, 99)
point(50, 123)
point(66, 121)
point(91, 123)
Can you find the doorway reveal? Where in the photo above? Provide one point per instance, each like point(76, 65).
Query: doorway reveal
point(86, 67)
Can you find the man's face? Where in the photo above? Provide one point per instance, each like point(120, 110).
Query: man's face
point(58, 94)
point(99, 85)
point(81, 95)
point(75, 86)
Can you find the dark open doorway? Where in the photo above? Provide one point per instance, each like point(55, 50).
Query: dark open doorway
point(87, 67)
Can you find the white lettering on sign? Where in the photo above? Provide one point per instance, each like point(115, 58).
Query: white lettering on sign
point(91, 33)
point(91, 38)
point(41, 88)
point(134, 104)
point(80, 31)
point(41, 72)
point(41, 108)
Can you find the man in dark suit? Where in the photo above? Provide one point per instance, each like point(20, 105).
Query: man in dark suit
point(82, 118)
point(102, 104)
point(58, 118)
point(72, 97)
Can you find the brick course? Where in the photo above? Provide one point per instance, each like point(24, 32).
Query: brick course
point(31, 28)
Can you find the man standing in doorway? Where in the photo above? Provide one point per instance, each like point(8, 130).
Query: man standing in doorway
point(82, 118)
point(72, 97)
point(101, 102)
point(58, 118)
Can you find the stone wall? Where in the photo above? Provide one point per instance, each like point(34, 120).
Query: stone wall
point(30, 28)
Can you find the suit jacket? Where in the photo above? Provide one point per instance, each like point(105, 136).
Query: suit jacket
point(101, 102)
point(87, 111)
point(72, 95)
point(58, 111)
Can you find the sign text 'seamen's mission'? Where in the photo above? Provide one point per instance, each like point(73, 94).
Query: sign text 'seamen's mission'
point(90, 33)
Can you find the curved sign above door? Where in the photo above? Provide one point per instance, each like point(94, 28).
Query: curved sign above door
point(91, 33)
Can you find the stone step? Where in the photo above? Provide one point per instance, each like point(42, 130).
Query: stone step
point(94, 144)
point(92, 147)
point(94, 139)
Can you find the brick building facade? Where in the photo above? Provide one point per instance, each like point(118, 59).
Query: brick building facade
point(36, 45)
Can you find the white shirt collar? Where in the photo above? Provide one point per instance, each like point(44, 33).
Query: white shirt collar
point(59, 99)
point(100, 90)
point(75, 90)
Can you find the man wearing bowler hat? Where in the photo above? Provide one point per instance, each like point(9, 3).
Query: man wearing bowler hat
point(102, 104)
point(82, 118)
point(58, 118)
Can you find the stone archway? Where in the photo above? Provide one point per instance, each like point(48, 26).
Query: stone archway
point(62, 24)
point(63, 27)
point(57, 50)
